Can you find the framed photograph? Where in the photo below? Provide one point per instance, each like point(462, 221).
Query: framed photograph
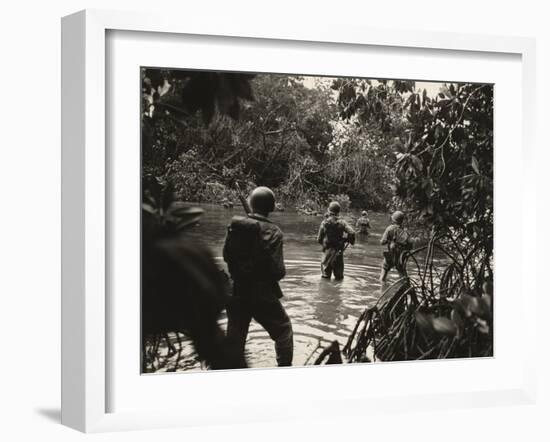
point(291, 223)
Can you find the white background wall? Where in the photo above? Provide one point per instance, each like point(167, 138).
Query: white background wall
point(30, 215)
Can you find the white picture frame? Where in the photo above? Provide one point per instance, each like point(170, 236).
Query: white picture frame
point(85, 233)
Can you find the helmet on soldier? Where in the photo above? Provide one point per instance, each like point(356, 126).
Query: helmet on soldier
point(262, 200)
point(334, 208)
point(364, 213)
point(398, 217)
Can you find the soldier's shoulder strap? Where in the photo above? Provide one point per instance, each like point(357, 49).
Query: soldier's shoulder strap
point(244, 223)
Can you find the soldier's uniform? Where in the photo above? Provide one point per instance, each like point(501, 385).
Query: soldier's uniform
point(363, 225)
point(253, 250)
point(334, 232)
point(398, 240)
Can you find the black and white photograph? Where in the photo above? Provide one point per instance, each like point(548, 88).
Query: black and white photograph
point(292, 220)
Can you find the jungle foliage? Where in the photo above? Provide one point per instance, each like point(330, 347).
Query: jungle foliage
point(443, 175)
point(273, 130)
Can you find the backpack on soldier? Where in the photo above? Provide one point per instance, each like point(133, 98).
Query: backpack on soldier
point(244, 251)
point(334, 232)
point(397, 246)
point(401, 239)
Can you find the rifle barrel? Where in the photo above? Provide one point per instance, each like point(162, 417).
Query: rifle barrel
point(242, 199)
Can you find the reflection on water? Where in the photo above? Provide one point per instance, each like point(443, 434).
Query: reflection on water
point(321, 310)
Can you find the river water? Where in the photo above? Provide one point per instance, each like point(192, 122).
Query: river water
point(321, 310)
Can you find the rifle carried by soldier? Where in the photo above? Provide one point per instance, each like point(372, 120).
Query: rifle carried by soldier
point(242, 199)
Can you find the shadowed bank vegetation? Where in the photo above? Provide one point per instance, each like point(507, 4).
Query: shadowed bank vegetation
point(286, 134)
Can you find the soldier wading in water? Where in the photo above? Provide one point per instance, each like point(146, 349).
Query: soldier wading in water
point(253, 251)
point(363, 224)
point(398, 241)
point(333, 235)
